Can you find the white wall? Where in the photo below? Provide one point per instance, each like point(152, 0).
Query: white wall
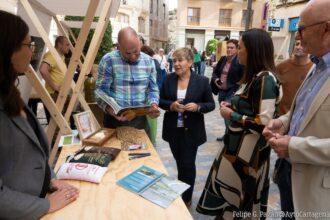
point(8, 5)
point(199, 41)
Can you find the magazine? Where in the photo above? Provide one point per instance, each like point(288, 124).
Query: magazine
point(153, 186)
point(118, 110)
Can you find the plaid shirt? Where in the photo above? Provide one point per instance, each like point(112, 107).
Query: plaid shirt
point(130, 84)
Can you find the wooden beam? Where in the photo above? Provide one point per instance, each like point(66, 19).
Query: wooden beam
point(75, 58)
point(43, 34)
point(65, 33)
point(37, 5)
point(91, 54)
point(48, 101)
point(36, 22)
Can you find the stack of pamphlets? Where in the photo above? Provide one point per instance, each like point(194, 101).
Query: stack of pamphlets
point(153, 186)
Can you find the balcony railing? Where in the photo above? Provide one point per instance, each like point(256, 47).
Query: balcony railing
point(193, 20)
point(226, 22)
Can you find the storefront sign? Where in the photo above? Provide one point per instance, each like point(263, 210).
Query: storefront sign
point(293, 25)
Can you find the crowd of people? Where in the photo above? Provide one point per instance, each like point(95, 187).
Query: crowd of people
point(284, 108)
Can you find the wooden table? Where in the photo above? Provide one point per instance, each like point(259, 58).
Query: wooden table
point(107, 200)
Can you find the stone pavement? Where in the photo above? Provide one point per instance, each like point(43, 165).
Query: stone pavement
point(205, 156)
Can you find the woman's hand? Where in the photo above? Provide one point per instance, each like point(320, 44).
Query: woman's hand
point(177, 107)
point(192, 107)
point(225, 104)
point(225, 111)
point(60, 184)
point(61, 198)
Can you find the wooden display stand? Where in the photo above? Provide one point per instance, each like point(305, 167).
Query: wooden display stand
point(108, 9)
point(107, 200)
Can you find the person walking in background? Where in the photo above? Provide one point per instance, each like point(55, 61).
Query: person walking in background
point(302, 135)
point(203, 62)
point(162, 61)
point(186, 97)
point(25, 175)
point(160, 79)
point(238, 180)
point(170, 60)
point(197, 61)
point(226, 76)
point(129, 77)
point(291, 73)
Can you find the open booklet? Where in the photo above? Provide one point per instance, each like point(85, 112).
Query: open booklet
point(118, 110)
point(153, 186)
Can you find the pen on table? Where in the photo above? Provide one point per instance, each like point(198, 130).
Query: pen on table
point(137, 156)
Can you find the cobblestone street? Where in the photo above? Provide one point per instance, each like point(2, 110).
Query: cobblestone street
point(206, 154)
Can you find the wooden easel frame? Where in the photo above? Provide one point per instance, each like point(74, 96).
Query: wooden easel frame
point(110, 7)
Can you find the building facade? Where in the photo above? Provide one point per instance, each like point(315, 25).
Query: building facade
point(148, 17)
point(172, 25)
point(201, 20)
point(158, 23)
point(133, 13)
point(288, 11)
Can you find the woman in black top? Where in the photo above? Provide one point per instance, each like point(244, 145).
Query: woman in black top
point(186, 97)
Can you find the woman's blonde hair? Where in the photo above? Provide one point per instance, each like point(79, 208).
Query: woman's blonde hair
point(185, 53)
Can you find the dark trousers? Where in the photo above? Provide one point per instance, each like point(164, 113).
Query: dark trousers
point(184, 152)
point(170, 61)
point(197, 67)
point(284, 184)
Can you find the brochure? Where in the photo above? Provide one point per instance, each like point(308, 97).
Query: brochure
point(118, 110)
point(69, 140)
point(153, 186)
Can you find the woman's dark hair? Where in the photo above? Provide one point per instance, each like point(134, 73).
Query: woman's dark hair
point(260, 53)
point(147, 50)
point(13, 31)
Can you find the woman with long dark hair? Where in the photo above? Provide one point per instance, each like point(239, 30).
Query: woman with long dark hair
point(238, 181)
point(25, 176)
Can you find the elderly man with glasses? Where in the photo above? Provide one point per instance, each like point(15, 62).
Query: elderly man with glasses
point(302, 135)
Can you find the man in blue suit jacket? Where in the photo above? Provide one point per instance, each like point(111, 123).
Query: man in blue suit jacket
point(226, 75)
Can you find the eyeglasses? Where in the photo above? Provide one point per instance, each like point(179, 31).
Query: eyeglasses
point(303, 27)
point(31, 45)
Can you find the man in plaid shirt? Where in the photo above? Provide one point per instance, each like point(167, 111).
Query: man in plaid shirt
point(128, 76)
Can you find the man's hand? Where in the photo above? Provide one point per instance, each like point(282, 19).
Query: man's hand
point(112, 113)
point(275, 126)
point(192, 107)
point(225, 110)
point(280, 144)
point(177, 107)
point(153, 111)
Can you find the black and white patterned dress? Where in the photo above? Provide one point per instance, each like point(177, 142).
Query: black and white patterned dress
point(238, 179)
